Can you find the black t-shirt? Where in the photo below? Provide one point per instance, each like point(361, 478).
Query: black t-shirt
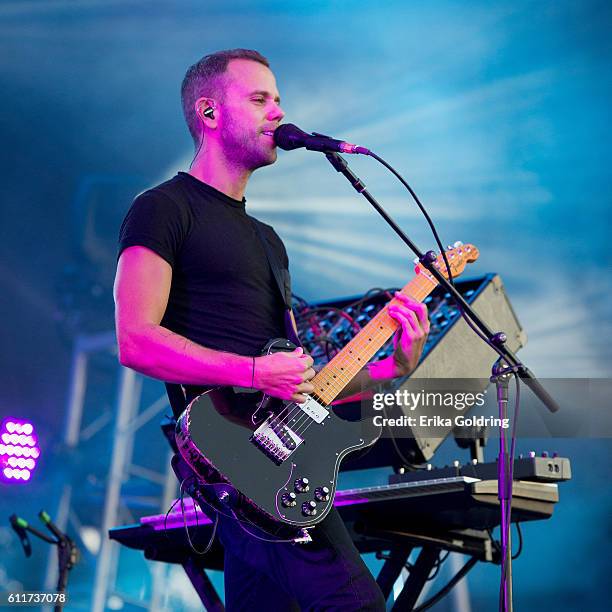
point(223, 293)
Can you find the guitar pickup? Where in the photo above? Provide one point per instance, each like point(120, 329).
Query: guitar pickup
point(314, 410)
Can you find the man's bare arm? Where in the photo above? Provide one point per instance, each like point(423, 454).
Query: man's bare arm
point(142, 288)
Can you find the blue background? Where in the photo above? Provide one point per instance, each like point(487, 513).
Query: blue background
point(497, 113)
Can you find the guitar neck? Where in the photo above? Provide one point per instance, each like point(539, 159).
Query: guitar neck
point(332, 379)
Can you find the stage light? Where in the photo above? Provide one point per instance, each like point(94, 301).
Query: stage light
point(18, 451)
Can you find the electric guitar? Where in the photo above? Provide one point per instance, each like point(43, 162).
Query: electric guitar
point(275, 464)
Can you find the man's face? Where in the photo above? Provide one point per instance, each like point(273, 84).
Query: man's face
point(250, 113)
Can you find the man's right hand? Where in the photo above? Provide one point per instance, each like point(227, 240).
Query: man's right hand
point(285, 375)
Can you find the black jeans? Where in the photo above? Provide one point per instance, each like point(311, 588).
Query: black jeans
point(326, 574)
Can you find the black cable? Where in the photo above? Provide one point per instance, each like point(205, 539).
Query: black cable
point(197, 151)
point(339, 311)
point(520, 536)
point(437, 565)
point(517, 403)
point(448, 587)
point(334, 344)
point(214, 530)
point(425, 214)
point(497, 546)
point(300, 300)
point(176, 501)
point(325, 343)
point(510, 475)
point(398, 452)
point(494, 542)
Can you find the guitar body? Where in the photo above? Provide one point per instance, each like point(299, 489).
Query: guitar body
point(218, 439)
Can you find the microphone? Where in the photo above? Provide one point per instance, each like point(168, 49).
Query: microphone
point(20, 526)
point(288, 137)
point(46, 519)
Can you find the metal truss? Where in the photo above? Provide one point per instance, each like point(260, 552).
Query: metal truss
point(85, 421)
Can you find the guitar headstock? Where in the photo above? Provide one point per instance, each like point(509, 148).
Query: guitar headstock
point(459, 255)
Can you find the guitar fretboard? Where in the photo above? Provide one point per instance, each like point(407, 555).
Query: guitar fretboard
point(332, 379)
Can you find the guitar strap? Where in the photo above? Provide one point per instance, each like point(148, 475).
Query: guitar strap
point(283, 282)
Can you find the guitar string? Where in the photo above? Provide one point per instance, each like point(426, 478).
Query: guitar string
point(336, 378)
point(342, 379)
point(304, 424)
point(358, 344)
point(352, 365)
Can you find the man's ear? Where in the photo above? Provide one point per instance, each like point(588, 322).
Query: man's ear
point(205, 110)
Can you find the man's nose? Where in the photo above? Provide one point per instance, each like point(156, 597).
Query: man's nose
point(276, 113)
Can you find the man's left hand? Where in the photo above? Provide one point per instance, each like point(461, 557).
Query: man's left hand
point(410, 339)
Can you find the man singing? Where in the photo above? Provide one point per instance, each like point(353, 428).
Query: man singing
point(196, 300)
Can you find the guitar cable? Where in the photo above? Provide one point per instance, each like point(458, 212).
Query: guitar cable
point(217, 512)
point(214, 529)
point(185, 526)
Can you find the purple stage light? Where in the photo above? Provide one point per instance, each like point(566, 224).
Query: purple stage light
point(18, 451)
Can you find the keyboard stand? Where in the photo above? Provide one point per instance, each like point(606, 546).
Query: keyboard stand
point(477, 544)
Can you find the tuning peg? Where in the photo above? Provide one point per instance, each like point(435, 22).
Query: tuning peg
point(458, 244)
point(416, 260)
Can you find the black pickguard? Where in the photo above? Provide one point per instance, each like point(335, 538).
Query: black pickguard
point(214, 435)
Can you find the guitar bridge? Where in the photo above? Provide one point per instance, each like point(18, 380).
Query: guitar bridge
point(275, 439)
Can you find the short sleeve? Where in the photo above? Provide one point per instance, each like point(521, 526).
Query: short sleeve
point(157, 222)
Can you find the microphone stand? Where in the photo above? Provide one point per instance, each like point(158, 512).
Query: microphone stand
point(499, 376)
point(68, 554)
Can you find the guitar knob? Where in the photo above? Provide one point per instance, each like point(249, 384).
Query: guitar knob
point(302, 485)
point(322, 494)
point(289, 500)
point(309, 508)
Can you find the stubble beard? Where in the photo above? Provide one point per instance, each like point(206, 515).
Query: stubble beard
point(246, 149)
